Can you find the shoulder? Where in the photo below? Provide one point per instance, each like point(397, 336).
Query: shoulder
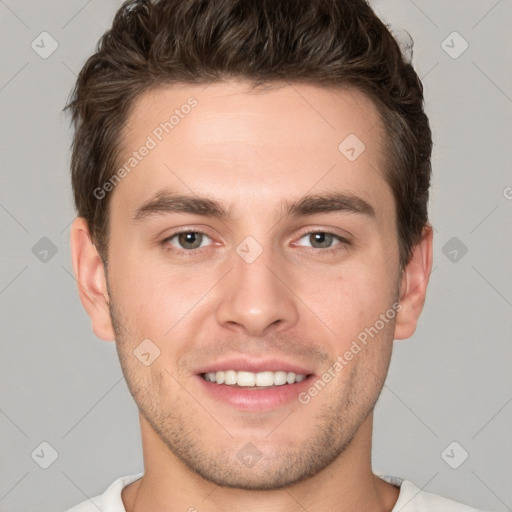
point(413, 499)
point(110, 500)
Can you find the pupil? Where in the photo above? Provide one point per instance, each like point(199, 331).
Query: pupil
point(321, 239)
point(190, 240)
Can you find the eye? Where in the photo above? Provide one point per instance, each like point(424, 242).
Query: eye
point(189, 240)
point(321, 240)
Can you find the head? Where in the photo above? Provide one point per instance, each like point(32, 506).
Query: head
point(251, 126)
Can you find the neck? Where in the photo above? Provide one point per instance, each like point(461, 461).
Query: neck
point(346, 485)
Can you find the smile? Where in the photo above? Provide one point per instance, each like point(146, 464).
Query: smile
point(253, 380)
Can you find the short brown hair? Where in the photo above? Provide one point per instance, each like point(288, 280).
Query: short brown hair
point(324, 42)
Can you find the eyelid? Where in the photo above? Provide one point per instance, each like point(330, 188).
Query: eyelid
point(187, 229)
point(169, 246)
point(175, 235)
point(342, 239)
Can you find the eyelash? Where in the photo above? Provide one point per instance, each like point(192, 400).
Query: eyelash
point(179, 251)
point(343, 243)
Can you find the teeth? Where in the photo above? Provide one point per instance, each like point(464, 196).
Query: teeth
point(249, 379)
point(265, 379)
point(230, 377)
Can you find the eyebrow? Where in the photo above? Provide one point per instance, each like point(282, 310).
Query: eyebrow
point(331, 202)
point(168, 202)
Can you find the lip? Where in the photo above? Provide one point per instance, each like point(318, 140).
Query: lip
point(255, 366)
point(255, 400)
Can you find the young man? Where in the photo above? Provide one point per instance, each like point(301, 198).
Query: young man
point(251, 180)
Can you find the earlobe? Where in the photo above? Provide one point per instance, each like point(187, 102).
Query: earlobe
point(413, 286)
point(90, 275)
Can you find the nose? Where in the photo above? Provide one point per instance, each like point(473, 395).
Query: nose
point(257, 297)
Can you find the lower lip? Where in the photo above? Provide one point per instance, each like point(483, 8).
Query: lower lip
point(256, 399)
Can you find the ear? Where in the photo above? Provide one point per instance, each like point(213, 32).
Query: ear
point(90, 276)
point(413, 286)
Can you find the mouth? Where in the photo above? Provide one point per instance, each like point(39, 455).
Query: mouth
point(271, 387)
point(253, 381)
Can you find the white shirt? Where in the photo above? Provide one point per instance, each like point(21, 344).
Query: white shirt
point(411, 499)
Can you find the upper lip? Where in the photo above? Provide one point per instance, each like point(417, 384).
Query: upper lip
point(255, 366)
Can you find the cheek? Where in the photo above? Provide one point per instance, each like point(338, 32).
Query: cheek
point(350, 299)
point(159, 301)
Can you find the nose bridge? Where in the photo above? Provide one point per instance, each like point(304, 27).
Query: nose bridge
point(253, 296)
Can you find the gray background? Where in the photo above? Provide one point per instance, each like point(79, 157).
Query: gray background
point(451, 382)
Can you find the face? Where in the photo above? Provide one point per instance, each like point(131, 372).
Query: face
point(247, 240)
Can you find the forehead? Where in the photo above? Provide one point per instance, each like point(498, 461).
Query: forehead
point(229, 139)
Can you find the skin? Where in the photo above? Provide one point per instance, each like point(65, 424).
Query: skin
point(250, 151)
